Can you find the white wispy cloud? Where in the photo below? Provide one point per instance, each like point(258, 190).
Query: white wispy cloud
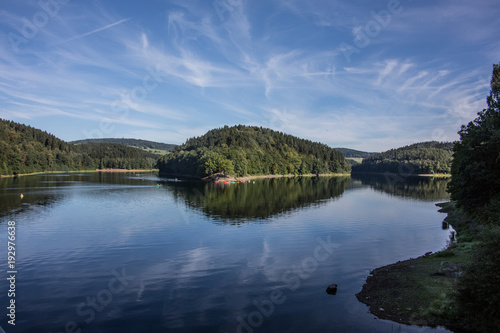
point(277, 65)
point(96, 30)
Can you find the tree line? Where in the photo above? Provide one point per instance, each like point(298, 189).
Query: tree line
point(430, 157)
point(475, 188)
point(250, 150)
point(354, 153)
point(130, 142)
point(24, 149)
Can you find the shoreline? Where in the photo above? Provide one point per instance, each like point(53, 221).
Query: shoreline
point(246, 178)
point(219, 177)
point(438, 175)
point(419, 291)
point(125, 170)
point(228, 178)
point(79, 171)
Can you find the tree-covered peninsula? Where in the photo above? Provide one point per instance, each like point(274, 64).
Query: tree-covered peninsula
point(24, 149)
point(249, 150)
point(430, 157)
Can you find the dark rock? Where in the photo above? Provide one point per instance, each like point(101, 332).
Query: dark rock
point(332, 289)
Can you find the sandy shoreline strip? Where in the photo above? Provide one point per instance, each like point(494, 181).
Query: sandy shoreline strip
point(126, 170)
point(219, 177)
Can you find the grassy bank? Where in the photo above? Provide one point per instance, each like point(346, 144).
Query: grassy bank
point(423, 291)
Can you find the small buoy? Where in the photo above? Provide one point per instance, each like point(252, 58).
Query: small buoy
point(22, 196)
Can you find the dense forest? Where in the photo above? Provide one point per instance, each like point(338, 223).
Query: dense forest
point(143, 144)
point(420, 158)
point(475, 188)
point(242, 150)
point(354, 153)
point(24, 149)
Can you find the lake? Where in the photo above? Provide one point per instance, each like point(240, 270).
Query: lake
point(111, 252)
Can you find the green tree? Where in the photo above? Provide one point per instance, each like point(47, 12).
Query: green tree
point(240, 164)
point(476, 159)
point(479, 286)
point(227, 166)
point(475, 186)
point(255, 150)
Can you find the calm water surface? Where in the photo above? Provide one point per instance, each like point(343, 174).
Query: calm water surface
point(119, 253)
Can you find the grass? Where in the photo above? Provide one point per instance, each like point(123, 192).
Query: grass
point(356, 159)
point(417, 291)
point(156, 151)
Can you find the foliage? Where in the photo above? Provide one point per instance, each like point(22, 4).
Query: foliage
point(476, 165)
point(114, 155)
point(479, 287)
point(420, 158)
point(143, 144)
point(24, 149)
point(354, 153)
point(242, 150)
point(475, 187)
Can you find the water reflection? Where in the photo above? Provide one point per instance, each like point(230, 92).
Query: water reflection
point(12, 188)
point(48, 189)
point(198, 276)
point(234, 203)
point(241, 202)
point(421, 188)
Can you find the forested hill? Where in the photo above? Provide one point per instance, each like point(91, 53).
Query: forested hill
point(244, 150)
point(352, 153)
point(24, 149)
point(430, 157)
point(143, 144)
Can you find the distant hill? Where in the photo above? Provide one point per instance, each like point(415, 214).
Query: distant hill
point(24, 149)
point(246, 150)
point(354, 153)
point(151, 146)
point(430, 157)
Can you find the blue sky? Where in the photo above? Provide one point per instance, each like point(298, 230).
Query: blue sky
point(368, 75)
